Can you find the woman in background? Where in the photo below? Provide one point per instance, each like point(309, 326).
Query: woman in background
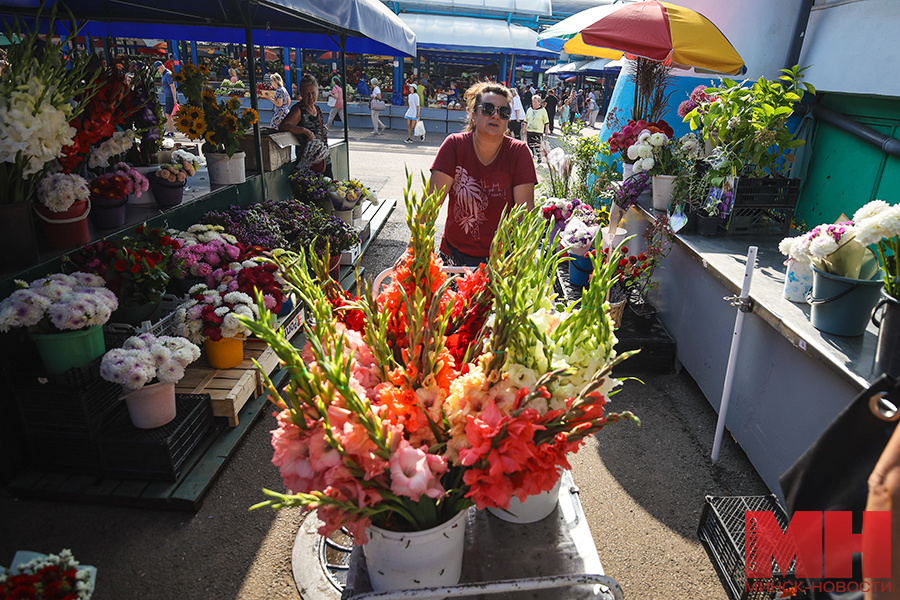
point(281, 100)
point(376, 95)
point(338, 94)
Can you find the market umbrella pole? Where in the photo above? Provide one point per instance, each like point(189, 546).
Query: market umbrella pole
point(743, 304)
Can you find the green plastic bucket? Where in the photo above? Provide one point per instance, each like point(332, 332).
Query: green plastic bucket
point(70, 349)
point(842, 306)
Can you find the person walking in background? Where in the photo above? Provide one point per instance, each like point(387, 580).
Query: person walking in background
point(537, 125)
point(592, 109)
point(550, 103)
point(362, 88)
point(169, 96)
point(374, 104)
point(281, 100)
point(234, 75)
point(565, 112)
point(412, 113)
point(337, 104)
point(481, 172)
point(526, 96)
point(518, 115)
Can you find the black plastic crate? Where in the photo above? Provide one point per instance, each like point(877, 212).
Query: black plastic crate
point(766, 192)
point(721, 531)
point(79, 409)
point(770, 220)
point(156, 454)
point(67, 453)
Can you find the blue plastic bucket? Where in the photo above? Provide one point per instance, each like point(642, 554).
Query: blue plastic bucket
point(842, 306)
point(580, 269)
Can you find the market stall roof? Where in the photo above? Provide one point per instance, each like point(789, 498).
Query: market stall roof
point(371, 26)
point(529, 7)
point(469, 34)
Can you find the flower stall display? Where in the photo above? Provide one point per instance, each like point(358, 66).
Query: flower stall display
point(626, 137)
point(346, 196)
point(210, 317)
point(64, 315)
point(136, 268)
point(169, 181)
point(845, 283)
point(383, 432)
point(47, 576)
point(63, 207)
point(219, 124)
point(310, 187)
point(148, 367)
point(202, 249)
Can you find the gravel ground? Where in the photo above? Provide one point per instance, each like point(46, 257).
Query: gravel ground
point(642, 489)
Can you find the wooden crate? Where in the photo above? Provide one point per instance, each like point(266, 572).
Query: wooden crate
point(230, 389)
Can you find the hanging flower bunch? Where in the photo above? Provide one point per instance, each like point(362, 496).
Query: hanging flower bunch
point(218, 123)
point(58, 303)
point(403, 426)
point(210, 314)
point(145, 358)
point(36, 88)
point(51, 577)
point(59, 191)
point(99, 135)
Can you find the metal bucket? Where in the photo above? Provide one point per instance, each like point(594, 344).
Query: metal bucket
point(840, 305)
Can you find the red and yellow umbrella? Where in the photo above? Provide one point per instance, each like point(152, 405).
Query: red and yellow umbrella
point(655, 30)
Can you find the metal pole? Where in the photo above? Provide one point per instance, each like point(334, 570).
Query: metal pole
point(743, 304)
point(254, 101)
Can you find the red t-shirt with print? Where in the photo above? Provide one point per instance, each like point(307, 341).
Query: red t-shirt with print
point(479, 193)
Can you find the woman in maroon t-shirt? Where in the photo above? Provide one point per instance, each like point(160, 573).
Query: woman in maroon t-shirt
point(483, 171)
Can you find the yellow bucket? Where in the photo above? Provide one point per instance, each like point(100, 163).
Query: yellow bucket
point(226, 353)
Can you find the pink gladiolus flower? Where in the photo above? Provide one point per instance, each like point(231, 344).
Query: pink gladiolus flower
point(415, 472)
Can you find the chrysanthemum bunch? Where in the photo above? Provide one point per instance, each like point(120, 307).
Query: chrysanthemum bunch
point(401, 424)
point(51, 577)
point(878, 223)
point(58, 303)
point(59, 191)
point(210, 314)
point(346, 194)
point(220, 124)
point(145, 357)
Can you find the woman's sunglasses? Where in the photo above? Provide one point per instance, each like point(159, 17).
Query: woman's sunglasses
point(488, 108)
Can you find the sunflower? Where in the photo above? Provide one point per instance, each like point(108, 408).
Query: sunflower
point(229, 122)
point(178, 77)
point(193, 111)
point(208, 94)
point(210, 134)
point(197, 129)
point(250, 115)
point(183, 122)
point(234, 104)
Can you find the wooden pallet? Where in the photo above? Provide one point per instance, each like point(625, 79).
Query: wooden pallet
point(230, 389)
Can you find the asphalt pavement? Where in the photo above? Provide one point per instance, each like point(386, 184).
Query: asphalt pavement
point(642, 488)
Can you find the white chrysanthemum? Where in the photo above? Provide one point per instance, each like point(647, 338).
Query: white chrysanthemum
point(658, 139)
point(170, 372)
point(889, 221)
point(872, 209)
point(644, 151)
point(238, 298)
point(643, 135)
point(647, 163)
point(869, 231)
point(633, 151)
point(59, 191)
point(160, 354)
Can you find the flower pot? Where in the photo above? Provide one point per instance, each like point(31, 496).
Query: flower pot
point(580, 269)
point(108, 214)
point(67, 229)
point(643, 315)
point(135, 315)
point(620, 234)
point(663, 185)
point(18, 240)
point(151, 406)
point(225, 170)
point(357, 211)
point(147, 198)
point(533, 509)
point(842, 306)
point(226, 353)
point(345, 215)
point(167, 193)
point(887, 350)
point(410, 560)
point(70, 349)
point(690, 225)
point(797, 280)
point(334, 266)
point(708, 226)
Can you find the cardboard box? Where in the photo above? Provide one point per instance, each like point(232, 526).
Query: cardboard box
point(352, 255)
point(276, 150)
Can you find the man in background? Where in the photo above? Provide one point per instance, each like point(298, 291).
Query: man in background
point(168, 88)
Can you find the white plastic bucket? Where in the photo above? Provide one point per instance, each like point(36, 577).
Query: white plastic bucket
point(225, 170)
point(532, 510)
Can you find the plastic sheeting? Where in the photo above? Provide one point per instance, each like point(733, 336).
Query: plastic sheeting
point(469, 34)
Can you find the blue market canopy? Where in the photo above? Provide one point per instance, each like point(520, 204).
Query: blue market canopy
point(368, 26)
point(468, 34)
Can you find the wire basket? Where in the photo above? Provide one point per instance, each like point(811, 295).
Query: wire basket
point(115, 334)
point(721, 531)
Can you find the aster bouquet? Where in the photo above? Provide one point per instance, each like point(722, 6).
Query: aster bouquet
point(310, 187)
point(878, 223)
point(59, 191)
point(50, 577)
point(578, 237)
point(211, 314)
point(204, 248)
point(346, 194)
point(145, 358)
point(36, 88)
point(395, 422)
point(834, 248)
point(58, 303)
point(219, 123)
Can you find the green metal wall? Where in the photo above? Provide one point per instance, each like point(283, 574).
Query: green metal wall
point(845, 172)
